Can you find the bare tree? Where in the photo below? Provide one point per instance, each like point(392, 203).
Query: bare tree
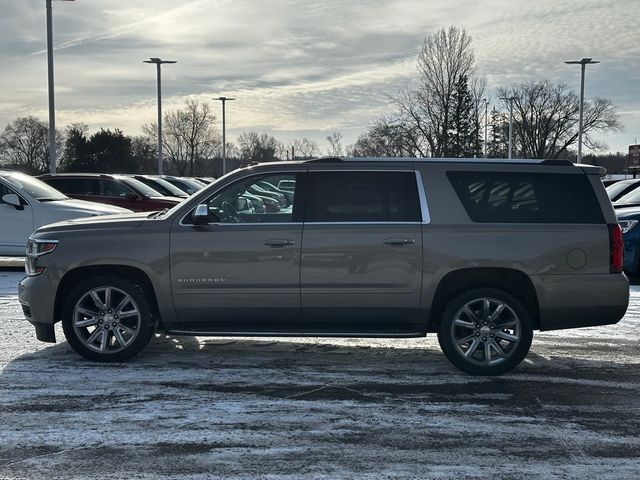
point(188, 136)
point(385, 139)
point(335, 145)
point(546, 119)
point(256, 147)
point(305, 149)
point(143, 153)
point(428, 114)
point(25, 143)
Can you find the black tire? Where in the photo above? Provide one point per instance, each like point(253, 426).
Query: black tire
point(119, 344)
point(460, 331)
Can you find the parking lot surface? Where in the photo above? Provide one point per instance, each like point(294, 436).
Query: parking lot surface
point(195, 408)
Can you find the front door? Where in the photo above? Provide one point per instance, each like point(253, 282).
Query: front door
point(241, 272)
point(362, 252)
point(17, 225)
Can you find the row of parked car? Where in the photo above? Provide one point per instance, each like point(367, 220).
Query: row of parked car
point(625, 196)
point(28, 202)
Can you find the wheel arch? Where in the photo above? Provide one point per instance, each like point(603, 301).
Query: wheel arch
point(512, 281)
point(132, 274)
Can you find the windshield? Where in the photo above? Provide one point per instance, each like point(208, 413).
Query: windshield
point(169, 188)
point(619, 187)
point(141, 188)
point(633, 197)
point(186, 184)
point(33, 187)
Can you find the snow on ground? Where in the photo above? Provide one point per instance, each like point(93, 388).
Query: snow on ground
point(300, 408)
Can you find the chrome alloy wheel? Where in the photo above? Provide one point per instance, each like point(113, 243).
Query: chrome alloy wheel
point(486, 331)
point(106, 319)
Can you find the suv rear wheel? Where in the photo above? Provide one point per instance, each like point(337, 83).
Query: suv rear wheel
point(107, 319)
point(485, 331)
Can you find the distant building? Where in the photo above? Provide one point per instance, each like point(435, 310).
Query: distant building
point(634, 155)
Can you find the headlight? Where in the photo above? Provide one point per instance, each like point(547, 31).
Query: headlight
point(35, 249)
point(627, 225)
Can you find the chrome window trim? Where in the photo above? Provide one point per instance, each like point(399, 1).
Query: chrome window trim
point(363, 223)
point(424, 207)
point(219, 224)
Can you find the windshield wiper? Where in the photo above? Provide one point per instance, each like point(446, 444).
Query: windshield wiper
point(49, 199)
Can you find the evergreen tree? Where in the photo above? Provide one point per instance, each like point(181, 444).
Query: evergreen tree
point(111, 152)
point(498, 146)
point(461, 130)
point(76, 155)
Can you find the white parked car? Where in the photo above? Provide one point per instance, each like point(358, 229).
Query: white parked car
point(27, 203)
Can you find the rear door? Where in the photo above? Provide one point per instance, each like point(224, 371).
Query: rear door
point(362, 251)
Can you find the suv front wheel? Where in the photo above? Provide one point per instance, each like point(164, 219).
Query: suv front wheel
point(107, 319)
point(485, 331)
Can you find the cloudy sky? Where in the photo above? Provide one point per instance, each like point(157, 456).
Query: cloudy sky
point(299, 67)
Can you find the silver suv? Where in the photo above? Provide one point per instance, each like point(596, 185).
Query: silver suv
point(481, 252)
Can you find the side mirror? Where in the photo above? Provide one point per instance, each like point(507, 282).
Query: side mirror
point(132, 196)
point(12, 199)
point(201, 215)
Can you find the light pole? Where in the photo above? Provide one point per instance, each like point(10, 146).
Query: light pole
point(158, 63)
point(510, 100)
point(486, 106)
point(52, 103)
point(583, 63)
point(224, 133)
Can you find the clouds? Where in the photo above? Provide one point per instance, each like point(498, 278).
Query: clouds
point(300, 65)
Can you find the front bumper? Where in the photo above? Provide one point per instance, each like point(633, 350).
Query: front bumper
point(572, 301)
point(37, 297)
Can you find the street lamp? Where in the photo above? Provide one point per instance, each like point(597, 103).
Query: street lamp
point(486, 106)
point(582, 63)
point(159, 62)
point(510, 100)
point(52, 106)
point(224, 133)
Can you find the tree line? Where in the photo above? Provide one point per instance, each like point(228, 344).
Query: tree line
point(192, 146)
point(446, 114)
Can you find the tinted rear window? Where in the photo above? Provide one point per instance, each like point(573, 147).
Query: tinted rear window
point(362, 197)
point(516, 197)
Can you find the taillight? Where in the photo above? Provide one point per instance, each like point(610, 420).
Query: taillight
point(616, 249)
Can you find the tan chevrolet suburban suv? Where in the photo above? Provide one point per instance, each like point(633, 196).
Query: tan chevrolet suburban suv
point(483, 252)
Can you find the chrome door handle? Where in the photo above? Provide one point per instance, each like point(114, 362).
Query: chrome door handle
point(279, 243)
point(399, 241)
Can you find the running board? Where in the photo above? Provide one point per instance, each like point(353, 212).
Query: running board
point(198, 333)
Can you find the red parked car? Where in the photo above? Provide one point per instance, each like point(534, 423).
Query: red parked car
point(117, 190)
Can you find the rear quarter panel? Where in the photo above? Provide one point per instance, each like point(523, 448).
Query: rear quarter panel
point(452, 241)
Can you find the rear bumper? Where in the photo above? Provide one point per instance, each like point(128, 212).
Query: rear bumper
point(571, 301)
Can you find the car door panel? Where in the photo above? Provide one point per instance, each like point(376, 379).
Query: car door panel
point(361, 260)
point(240, 272)
point(361, 276)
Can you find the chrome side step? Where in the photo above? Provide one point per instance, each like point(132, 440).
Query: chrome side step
point(212, 333)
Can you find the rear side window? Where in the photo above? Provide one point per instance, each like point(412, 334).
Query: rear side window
point(514, 197)
point(362, 197)
point(75, 186)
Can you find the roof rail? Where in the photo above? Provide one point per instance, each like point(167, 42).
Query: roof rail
point(324, 160)
point(565, 163)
